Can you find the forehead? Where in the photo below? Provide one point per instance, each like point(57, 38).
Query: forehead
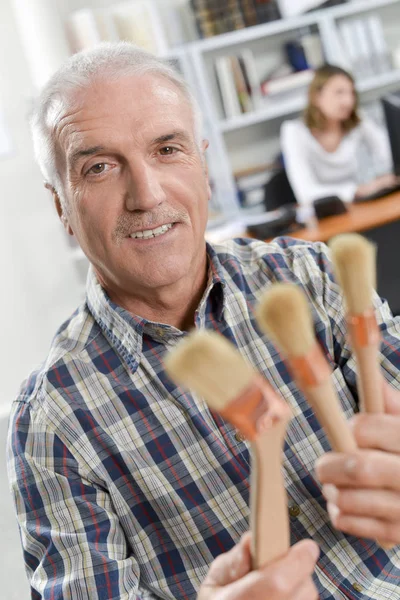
point(338, 81)
point(141, 106)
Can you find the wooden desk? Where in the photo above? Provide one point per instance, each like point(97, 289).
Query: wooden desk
point(359, 218)
point(379, 221)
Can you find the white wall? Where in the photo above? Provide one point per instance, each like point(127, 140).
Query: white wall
point(39, 284)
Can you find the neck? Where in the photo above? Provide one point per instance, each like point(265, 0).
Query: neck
point(333, 126)
point(173, 304)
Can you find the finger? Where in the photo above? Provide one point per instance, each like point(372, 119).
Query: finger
point(377, 431)
point(280, 579)
point(288, 573)
point(365, 527)
point(231, 565)
point(365, 469)
point(307, 591)
point(391, 399)
point(378, 504)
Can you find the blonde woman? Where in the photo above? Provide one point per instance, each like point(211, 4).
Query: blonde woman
point(322, 150)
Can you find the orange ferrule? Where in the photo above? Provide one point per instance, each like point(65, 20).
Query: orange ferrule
point(363, 329)
point(311, 369)
point(256, 409)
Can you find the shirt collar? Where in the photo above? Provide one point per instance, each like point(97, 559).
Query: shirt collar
point(120, 327)
point(125, 330)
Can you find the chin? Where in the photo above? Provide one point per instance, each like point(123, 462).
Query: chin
point(169, 272)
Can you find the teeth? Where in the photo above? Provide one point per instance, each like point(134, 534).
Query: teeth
point(148, 233)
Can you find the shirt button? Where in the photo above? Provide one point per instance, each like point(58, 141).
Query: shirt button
point(239, 437)
point(294, 510)
point(357, 587)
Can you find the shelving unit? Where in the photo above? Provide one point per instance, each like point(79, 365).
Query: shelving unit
point(275, 110)
point(248, 130)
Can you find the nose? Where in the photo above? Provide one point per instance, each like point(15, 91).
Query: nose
point(144, 190)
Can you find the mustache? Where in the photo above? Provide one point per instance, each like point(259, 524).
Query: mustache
point(129, 222)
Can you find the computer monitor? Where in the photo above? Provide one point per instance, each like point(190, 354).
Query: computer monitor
point(391, 109)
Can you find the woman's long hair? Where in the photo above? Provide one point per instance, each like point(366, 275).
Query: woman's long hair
point(313, 117)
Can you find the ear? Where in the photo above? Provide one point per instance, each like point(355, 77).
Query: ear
point(59, 208)
point(204, 146)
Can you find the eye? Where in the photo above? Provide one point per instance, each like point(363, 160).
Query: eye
point(167, 150)
point(97, 169)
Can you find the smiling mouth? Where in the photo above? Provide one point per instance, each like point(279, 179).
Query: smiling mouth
point(150, 233)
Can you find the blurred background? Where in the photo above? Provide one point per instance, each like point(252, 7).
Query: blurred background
point(249, 62)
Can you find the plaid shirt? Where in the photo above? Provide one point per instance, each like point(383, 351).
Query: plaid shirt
point(127, 487)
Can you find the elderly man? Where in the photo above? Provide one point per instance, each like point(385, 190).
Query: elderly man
point(125, 486)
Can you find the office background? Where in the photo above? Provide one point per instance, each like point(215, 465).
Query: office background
point(42, 273)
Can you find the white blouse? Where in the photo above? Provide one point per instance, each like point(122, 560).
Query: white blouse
point(314, 172)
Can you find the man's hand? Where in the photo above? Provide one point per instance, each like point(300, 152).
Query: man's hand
point(363, 489)
point(288, 578)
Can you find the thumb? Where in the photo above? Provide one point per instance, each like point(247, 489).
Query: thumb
point(391, 398)
point(231, 565)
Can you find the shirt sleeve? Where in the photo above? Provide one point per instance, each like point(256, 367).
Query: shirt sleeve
point(300, 172)
point(377, 141)
point(73, 543)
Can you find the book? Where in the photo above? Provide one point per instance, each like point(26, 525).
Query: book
point(381, 56)
point(313, 51)
point(249, 12)
point(205, 18)
point(362, 49)
point(292, 8)
point(227, 87)
point(350, 51)
point(242, 88)
point(287, 83)
point(234, 16)
point(214, 17)
point(252, 79)
point(267, 10)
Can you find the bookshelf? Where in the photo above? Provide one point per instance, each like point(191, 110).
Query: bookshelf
point(274, 110)
point(266, 41)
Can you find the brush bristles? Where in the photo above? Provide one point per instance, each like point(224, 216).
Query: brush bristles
point(284, 315)
point(354, 260)
point(209, 365)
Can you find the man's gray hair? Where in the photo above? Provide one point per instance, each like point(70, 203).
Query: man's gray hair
point(109, 60)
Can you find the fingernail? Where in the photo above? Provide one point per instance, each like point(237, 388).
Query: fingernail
point(350, 466)
point(333, 512)
point(330, 492)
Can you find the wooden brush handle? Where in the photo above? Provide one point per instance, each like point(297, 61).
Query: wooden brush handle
point(365, 339)
point(326, 405)
point(269, 520)
point(369, 379)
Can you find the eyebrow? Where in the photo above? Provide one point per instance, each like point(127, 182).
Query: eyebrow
point(85, 152)
point(176, 135)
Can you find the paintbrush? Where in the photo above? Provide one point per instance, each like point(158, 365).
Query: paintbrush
point(354, 265)
point(284, 315)
point(209, 365)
